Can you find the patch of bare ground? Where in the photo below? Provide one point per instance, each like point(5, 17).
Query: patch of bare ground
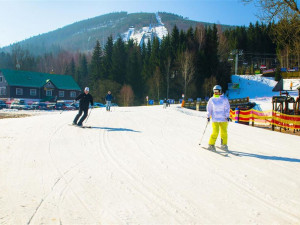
point(10, 115)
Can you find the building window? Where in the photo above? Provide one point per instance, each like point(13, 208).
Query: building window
point(73, 94)
point(2, 90)
point(61, 94)
point(19, 91)
point(49, 93)
point(32, 92)
point(1, 79)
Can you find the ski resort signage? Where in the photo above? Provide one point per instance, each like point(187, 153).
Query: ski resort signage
point(233, 86)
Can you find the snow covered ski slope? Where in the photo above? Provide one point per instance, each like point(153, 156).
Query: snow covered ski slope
point(144, 165)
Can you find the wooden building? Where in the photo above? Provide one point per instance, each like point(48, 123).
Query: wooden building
point(34, 86)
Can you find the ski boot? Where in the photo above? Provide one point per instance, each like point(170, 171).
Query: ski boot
point(211, 148)
point(224, 147)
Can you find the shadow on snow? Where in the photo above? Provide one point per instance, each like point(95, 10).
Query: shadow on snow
point(115, 129)
point(277, 158)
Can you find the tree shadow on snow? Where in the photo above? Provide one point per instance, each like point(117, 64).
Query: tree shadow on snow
point(277, 158)
point(115, 129)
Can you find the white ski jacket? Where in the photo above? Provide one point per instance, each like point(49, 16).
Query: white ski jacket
point(218, 108)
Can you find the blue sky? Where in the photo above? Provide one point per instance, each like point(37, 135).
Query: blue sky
point(21, 19)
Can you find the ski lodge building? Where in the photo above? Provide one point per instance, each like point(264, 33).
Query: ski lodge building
point(34, 86)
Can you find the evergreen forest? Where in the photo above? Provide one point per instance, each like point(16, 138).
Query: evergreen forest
point(187, 62)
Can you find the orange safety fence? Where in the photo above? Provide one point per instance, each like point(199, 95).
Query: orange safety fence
point(269, 117)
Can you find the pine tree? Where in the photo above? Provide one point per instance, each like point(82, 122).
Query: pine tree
point(175, 41)
point(119, 62)
point(146, 70)
point(96, 64)
point(134, 77)
point(70, 69)
point(107, 59)
point(81, 74)
point(155, 54)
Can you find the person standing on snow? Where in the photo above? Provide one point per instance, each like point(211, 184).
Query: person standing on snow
point(108, 99)
point(84, 99)
point(165, 103)
point(218, 108)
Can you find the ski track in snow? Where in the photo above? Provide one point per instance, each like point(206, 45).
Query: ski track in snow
point(143, 165)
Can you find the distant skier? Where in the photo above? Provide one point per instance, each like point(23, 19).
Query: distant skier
point(108, 99)
point(84, 99)
point(165, 103)
point(218, 108)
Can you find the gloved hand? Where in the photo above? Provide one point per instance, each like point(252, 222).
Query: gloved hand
point(208, 119)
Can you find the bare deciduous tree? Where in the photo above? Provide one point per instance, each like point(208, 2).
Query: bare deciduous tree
point(208, 85)
point(223, 47)
point(200, 35)
point(276, 9)
point(286, 32)
point(127, 95)
point(187, 68)
point(287, 36)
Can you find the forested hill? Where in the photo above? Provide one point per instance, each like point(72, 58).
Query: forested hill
point(82, 36)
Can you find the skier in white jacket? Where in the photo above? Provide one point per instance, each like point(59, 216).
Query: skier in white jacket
point(218, 109)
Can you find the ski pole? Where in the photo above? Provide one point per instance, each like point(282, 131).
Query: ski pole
point(203, 132)
point(63, 110)
point(88, 115)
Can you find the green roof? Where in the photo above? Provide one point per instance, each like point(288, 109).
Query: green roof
point(35, 79)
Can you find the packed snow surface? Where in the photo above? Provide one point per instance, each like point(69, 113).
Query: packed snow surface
point(253, 86)
point(258, 89)
point(144, 165)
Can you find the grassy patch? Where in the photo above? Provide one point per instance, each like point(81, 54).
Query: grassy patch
point(9, 115)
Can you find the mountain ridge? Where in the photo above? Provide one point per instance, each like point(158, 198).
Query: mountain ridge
point(82, 35)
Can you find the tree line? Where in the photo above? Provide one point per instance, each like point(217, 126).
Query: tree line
point(187, 62)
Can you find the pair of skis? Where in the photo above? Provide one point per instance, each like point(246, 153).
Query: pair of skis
point(221, 151)
point(80, 126)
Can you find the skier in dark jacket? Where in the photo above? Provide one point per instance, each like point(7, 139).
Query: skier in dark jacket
point(85, 98)
point(165, 103)
point(108, 99)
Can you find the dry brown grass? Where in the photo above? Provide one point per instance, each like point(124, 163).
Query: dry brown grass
point(10, 115)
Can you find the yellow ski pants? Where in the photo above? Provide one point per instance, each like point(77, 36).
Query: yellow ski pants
point(216, 126)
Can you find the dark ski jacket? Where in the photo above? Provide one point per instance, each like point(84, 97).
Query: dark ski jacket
point(85, 99)
point(108, 97)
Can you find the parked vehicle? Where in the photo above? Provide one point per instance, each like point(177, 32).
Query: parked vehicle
point(19, 104)
point(51, 106)
point(39, 105)
point(76, 105)
point(3, 105)
point(59, 106)
point(98, 105)
point(69, 107)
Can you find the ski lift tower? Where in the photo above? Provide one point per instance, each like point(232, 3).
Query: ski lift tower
point(236, 52)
